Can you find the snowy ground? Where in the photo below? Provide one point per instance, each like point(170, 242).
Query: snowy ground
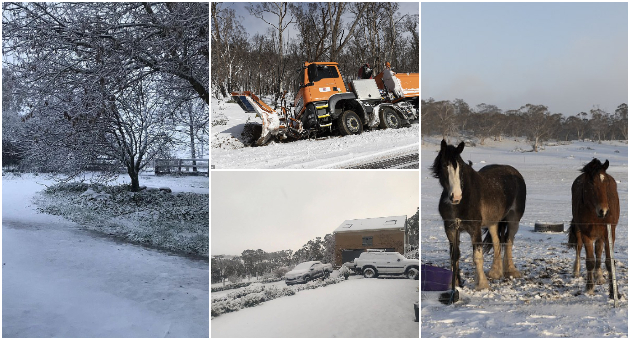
point(61, 281)
point(228, 151)
point(542, 303)
point(356, 308)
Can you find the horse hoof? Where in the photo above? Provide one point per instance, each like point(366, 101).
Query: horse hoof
point(482, 286)
point(495, 274)
point(515, 274)
point(600, 281)
point(590, 292)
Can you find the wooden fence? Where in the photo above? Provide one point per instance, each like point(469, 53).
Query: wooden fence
point(181, 166)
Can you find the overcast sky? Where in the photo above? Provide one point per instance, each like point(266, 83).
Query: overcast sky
point(254, 25)
point(277, 210)
point(567, 56)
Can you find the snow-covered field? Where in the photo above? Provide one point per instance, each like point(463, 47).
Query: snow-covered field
point(229, 152)
point(543, 302)
point(59, 280)
point(356, 308)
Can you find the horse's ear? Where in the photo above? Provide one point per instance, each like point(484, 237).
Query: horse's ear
point(443, 145)
point(460, 147)
point(605, 166)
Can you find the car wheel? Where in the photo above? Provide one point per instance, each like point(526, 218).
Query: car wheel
point(412, 273)
point(350, 123)
point(307, 278)
point(326, 274)
point(370, 273)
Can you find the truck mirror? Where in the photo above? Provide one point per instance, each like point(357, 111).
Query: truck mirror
point(312, 72)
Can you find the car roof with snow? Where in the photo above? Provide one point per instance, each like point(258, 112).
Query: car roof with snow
point(379, 223)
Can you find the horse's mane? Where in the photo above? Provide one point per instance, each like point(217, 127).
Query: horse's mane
point(592, 167)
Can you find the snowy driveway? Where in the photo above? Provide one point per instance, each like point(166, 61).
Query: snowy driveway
point(355, 308)
point(61, 281)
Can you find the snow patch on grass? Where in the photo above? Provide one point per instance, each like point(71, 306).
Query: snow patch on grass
point(177, 222)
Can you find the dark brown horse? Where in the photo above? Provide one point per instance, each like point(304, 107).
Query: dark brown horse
point(595, 204)
point(492, 198)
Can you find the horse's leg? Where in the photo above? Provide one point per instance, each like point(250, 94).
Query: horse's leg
point(481, 282)
point(510, 268)
point(590, 265)
point(453, 239)
point(496, 272)
point(599, 276)
point(578, 250)
point(609, 268)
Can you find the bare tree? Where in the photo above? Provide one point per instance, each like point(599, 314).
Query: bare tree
point(91, 75)
point(280, 10)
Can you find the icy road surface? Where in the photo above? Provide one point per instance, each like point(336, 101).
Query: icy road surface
point(229, 152)
point(356, 308)
point(61, 281)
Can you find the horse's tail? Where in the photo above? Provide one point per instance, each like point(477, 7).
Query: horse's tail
point(572, 236)
point(487, 240)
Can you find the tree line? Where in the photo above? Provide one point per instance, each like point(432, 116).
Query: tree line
point(348, 33)
point(451, 118)
point(257, 263)
point(116, 82)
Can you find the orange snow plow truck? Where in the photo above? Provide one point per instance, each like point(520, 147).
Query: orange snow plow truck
point(324, 105)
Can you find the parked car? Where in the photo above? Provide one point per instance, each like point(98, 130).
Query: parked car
point(307, 271)
point(373, 264)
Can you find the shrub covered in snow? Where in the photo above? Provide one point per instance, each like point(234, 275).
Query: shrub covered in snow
point(177, 222)
point(257, 294)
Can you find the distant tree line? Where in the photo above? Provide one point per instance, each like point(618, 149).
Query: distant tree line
point(535, 122)
point(348, 33)
point(259, 263)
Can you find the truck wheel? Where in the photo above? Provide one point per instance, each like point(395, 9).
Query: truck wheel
point(389, 119)
point(370, 273)
point(412, 273)
point(350, 123)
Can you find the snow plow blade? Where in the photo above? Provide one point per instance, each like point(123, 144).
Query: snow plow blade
point(249, 102)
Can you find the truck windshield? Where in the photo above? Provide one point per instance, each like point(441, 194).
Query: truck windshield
point(324, 71)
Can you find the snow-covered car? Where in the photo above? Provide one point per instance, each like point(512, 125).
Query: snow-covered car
point(307, 271)
point(373, 264)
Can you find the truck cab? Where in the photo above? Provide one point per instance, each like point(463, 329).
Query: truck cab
point(324, 103)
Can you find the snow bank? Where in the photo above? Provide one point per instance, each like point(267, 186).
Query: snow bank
point(356, 308)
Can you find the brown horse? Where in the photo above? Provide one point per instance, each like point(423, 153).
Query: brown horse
point(595, 204)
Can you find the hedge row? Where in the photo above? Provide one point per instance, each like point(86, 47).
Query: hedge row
point(242, 284)
point(252, 296)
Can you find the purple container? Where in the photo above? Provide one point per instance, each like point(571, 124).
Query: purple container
point(435, 278)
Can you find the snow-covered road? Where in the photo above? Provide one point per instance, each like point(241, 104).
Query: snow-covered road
point(61, 281)
point(357, 308)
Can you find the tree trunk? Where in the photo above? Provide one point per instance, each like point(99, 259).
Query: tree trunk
point(192, 139)
point(135, 182)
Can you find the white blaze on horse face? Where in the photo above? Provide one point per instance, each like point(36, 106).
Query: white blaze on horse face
point(454, 183)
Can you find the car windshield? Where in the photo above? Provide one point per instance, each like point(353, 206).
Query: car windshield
point(305, 265)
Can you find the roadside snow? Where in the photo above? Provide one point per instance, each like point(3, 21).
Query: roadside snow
point(543, 302)
point(229, 152)
point(356, 308)
point(61, 281)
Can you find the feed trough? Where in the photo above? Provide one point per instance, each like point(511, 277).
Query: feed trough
point(435, 278)
point(556, 227)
